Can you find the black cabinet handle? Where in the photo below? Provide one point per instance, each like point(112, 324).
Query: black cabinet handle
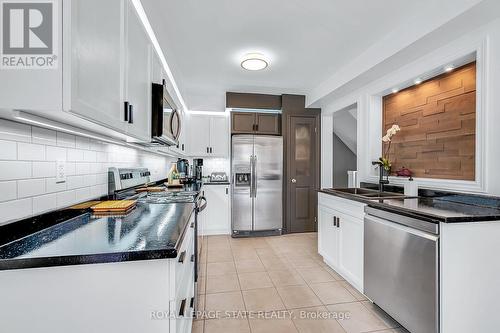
point(210, 150)
point(130, 114)
point(227, 190)
point(125, 111)
point(192, 258)
point(192, 225)
point(334, 221)
point(338, 222)
point(257, 127)
point(182, 256)
point(192, 302)
point(182, 147)
point(183, 306)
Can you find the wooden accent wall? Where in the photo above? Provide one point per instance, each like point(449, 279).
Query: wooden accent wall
point(438, 126)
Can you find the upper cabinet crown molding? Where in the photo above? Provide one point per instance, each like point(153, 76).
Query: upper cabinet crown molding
point(252, 101)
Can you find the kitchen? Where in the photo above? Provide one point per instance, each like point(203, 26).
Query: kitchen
point(249, 167)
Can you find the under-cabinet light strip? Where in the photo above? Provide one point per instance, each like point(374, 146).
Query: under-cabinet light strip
point(156, 44)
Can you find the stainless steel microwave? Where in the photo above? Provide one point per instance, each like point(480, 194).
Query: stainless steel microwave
point(165, 118)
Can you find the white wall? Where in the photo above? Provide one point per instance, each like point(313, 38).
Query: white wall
point(484, 40)
point(28, 158)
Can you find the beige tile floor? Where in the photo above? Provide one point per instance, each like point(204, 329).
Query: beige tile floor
point(246, 283)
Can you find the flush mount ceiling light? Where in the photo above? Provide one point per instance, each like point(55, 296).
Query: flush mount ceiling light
point(254, 62)
point(449, 68)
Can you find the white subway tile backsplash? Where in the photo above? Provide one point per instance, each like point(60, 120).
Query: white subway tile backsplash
point(16, 210)
point(89, 156)
point(66, 140)
point(55, 153)
point(51, 186)
point(44, 169)
point(101, 156)
point(8, 150)
point(8, 191)
point(44, 136)
point(30, 187)
point(82, 168)
point(75, 155)
point(28, 158)
point(66, 198)
point(30, 152)
point(83, 194)
point(82, 143)
point(70, 168)
point(44, 203)
point(12, 170)
point(13, 131)
point(73, 182)
point(91, 180)
point(102, 178)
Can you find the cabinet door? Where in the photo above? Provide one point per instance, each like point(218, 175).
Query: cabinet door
point(199, 135)
point(217, 217)
point(156, 68)
point(97, 59)
point(327, 236)
point(351, 249)
point(219, 136)
point(242, 122)
point(268, 123)
point(138, 80)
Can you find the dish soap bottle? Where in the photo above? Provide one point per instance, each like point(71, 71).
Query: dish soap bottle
point(173, 175)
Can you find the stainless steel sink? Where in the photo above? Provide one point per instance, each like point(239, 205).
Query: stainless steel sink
point(369, 194)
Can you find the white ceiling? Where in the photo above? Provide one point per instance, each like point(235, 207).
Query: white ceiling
point(306, 41)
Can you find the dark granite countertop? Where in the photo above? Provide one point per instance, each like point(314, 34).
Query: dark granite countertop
point(445, 207)
point(216, 183)
point(150, 231)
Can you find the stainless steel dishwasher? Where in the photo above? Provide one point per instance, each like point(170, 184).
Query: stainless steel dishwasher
point(401, 268)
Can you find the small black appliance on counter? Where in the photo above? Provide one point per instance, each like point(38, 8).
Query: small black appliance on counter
point(198, 169)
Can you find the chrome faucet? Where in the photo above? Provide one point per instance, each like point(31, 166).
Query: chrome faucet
point(381, 180)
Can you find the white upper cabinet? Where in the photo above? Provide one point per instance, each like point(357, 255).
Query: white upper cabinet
point(105, 61)
point(97, 62)
point(209, 135)
point(138, 78)
point(219, 136)
point(199, 135)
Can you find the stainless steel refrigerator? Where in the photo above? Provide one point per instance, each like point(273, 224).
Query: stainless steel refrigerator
point(257, 179)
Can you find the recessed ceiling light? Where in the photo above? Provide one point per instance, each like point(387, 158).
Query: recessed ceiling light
point(418, 81)
point(254, 62)
point(395, 90)
point(449, 68)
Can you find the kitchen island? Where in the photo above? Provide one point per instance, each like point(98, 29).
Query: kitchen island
point(133, 273)
point(426, 249)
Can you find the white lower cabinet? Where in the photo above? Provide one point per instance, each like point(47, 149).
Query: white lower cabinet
point(340, 236)
point(216, 218)
point(181, 282)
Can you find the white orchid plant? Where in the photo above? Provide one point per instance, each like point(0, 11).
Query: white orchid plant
point(386, 139)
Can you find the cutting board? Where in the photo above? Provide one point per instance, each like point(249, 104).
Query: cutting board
point(114, 206)
point(85, 205)
point(150, 189)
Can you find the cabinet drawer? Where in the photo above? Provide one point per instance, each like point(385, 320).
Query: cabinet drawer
point(350, 207)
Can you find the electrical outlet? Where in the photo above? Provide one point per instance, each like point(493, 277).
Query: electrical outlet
point(60, 171)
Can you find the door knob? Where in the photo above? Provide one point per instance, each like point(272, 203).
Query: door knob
point(294, 180)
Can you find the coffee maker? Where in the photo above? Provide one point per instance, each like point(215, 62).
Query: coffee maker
point(183, 168)
point(198, 169)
